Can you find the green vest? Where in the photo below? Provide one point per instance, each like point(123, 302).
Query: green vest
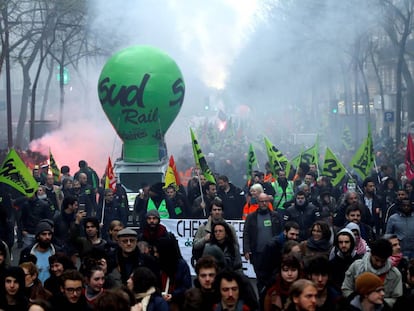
point(280, 197)
point(162, 209)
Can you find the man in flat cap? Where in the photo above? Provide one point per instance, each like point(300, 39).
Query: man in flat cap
point(129, 256)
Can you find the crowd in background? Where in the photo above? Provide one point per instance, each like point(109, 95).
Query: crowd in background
point(313, 246)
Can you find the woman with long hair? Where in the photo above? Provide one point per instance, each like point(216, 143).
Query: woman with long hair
point(319, 243)
point(12, 296)
point(175, 272)
point(224, 247)
point(278, 293)
point(94, 284)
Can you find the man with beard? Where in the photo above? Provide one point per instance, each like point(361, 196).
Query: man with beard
point(179, 201)
point(259, 228)
point(303, 296)
point(233, 198)
point(342, 255)
point(283, 190)
point(42, 249)
point(201, 204)
point(303, 213)
point(153, 230)
point(374, 205)
point(402, 225)
point(231, 289)
point(351, 199)
point(377, 262)
point(394, 208)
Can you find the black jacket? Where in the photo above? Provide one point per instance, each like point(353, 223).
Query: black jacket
point(233, 202)
point(304, 215)
point(250, 230)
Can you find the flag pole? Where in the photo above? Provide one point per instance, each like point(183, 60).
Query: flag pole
point(201, 192)
point(103, 212)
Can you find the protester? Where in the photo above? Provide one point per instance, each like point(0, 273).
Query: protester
point(278, 292)
point(143, 283)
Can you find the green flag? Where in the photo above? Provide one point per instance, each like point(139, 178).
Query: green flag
point(54, 167)
point(251, 161)
point(363, 160)
point(310, 155)
point(333, 168)
point(277, 160)
point(200, 160)
point(346, 138)
point(16, 174)
point(297, 160)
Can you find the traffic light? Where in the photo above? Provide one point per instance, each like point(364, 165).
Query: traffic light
point(207, 104)
point(66, 75)
point(334, 107)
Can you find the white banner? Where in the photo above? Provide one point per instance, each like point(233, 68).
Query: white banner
point(185, 230)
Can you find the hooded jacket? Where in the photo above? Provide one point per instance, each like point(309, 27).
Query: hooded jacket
point(392, 278)
point(339, 261)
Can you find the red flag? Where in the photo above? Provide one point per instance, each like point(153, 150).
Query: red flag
point(174, 168)
point(409, 158)
point(110, 182)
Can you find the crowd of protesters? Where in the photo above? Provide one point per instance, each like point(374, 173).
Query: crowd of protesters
point(313, 246)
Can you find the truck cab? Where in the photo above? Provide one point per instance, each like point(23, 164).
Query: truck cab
point(133, 175)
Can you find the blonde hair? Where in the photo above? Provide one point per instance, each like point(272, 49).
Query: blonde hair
point(257, 187)
point(31, 268)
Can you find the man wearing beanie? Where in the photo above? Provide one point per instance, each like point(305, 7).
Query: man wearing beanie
point(153, 230)
point(42, 249)
point(370, 293)
point(377, 262)
point(158, 201)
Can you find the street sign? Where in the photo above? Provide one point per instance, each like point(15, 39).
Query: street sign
point(389, 116)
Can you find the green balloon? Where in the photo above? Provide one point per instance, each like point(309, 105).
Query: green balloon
point(141, 90)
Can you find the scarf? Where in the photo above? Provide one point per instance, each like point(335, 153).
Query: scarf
point(395, 259)
point(279, 292)
point(360, 246)
point(145, 297)
point(322, 245)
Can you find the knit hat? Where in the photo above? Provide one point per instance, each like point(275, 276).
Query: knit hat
point(44, 225)
point(127, 232)
point(154, 213)
point(367, 282)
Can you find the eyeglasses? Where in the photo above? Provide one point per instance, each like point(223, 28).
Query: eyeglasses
point(216, 209)
point(126, 241)
point(72, 290)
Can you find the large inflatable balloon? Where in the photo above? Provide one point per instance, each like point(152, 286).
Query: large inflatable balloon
point(141, 90)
